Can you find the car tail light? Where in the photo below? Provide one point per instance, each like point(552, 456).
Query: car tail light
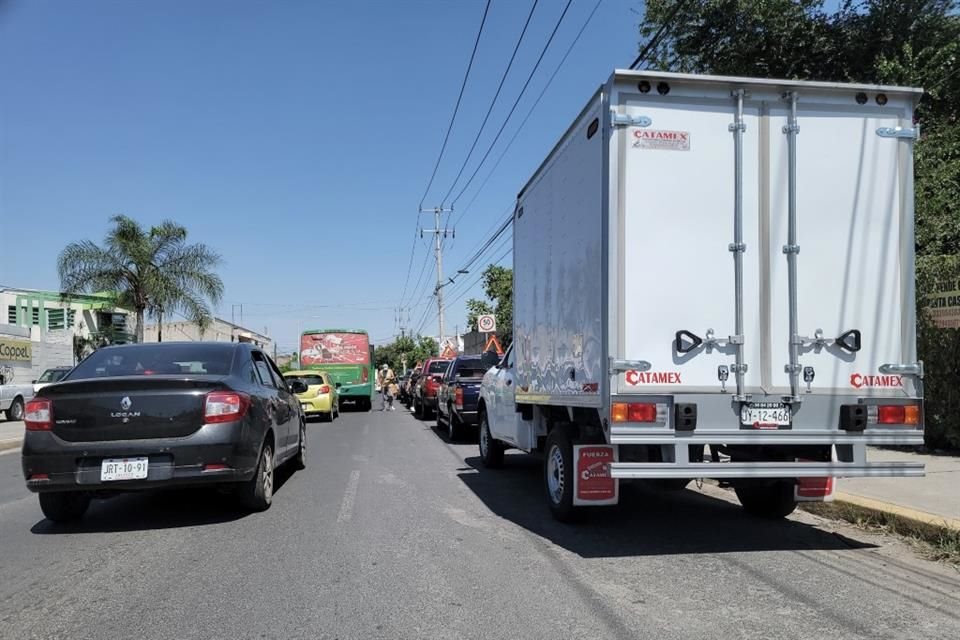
point(225, 406)
point(642, 412)
point(894, 414)
point(38, 415)
point(458, 398)
point(38, 477)
point(324, 389)
point(639, 412)
point(215, 467)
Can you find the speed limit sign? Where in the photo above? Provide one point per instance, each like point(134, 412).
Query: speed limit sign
point(486, 324)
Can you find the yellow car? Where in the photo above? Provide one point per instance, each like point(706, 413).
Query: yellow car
point(320, 398)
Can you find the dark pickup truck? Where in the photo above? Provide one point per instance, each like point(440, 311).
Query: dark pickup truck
point(459, 394)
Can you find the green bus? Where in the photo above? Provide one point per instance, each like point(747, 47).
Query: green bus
point(347, 356)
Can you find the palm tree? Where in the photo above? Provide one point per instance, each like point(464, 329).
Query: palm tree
point(153, 271)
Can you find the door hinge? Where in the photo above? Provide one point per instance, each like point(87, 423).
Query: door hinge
point(619, 366)
point(909, 133)
point(626, 120)
point(915, 369)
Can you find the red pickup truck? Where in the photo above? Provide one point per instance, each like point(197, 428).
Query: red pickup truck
point(425, 393)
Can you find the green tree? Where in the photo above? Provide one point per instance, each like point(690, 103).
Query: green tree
point(498, 288)
point(409, 348)
point(151, 271)
point(902, 42)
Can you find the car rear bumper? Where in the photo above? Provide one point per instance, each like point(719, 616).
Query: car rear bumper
point(322, 403)
point(75, 466)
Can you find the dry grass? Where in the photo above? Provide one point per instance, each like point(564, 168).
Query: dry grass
point(939, 543)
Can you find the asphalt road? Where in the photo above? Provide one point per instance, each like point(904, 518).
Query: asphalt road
point(392, 532)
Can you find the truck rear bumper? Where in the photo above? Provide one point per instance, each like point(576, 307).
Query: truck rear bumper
point(640, 435)
point(649, 470)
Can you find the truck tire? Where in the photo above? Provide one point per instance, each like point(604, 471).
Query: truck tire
point(64, 506)
point(15, 412)
point(558, 475)
point(491, 450)
point(417, 410)
point(454, 426)
point(773, 501)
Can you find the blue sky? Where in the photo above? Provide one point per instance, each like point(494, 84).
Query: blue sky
point(295, 138)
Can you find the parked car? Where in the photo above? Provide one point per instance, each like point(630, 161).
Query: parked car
point(458, 396)
point(408, 388)
point(321, 397)
point(13, 395)
point(50, 376)
point(425, 393)
point(143, 416)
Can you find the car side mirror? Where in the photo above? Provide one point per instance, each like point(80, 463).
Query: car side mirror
point(337, 385)
point(298, 386)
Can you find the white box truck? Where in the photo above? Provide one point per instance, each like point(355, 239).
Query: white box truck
point(714, 278)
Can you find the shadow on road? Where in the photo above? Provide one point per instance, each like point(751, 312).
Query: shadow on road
point(160, 509)
point(645, 523)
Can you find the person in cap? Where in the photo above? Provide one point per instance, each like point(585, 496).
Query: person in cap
point(387, 381)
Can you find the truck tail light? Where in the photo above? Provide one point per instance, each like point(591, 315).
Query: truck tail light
point(458, 398)
point(225, 406)
point(638, 412)
point(365, 375)
point(894, 414)
point(38, 415)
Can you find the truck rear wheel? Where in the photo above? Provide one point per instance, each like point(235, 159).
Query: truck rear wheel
point(773, 501)
point(491, 450)
point(65, 506)
point(558, 475)
point(15, 412)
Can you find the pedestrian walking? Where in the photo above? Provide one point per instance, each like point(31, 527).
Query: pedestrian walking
point(388, 384)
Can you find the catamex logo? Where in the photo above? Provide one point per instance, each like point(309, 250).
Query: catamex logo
point(860, 381)
point(653, 377)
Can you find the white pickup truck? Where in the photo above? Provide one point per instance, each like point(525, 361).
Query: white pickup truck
point(714, 278)
point(13, 393)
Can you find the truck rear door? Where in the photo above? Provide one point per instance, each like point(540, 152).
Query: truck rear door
point(677, 299)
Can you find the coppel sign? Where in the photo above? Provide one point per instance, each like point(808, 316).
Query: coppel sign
point(16, 350)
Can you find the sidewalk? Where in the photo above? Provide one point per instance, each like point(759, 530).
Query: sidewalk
point(11, 435)
point(933, 498)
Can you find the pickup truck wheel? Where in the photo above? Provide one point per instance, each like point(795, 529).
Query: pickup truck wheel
point(491, 450)
point(65, 506)
point(417, 409)
point(558, 475)
point(454, 427)
point(768, 501)
point(15, 412)
point(300, 460)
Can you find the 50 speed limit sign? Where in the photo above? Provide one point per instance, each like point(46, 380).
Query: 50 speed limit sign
point(486, 324)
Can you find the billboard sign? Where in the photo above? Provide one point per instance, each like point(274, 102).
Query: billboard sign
point(334, 348)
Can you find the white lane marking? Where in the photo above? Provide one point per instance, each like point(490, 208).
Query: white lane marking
point(346, 507)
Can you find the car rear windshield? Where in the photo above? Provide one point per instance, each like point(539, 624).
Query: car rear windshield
point(470, 372)
point(439, 366)
point(156, 359)
point(310, 381)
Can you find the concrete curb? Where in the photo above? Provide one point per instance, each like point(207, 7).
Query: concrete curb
point(899, 511)
point(14, 443)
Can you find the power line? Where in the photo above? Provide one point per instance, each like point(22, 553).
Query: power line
point(456, 108)
point(655, 40)
point(493, 102)
point(530, 112)
point(516, 102)
point(495, 263)
point(443, 147)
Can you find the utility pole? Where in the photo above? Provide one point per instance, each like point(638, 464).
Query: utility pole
point(437, 231)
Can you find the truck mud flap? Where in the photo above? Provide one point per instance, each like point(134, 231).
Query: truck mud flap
point(593, 481)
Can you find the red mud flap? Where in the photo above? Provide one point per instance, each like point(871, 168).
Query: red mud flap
point(813, 489)
point(593, 484)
